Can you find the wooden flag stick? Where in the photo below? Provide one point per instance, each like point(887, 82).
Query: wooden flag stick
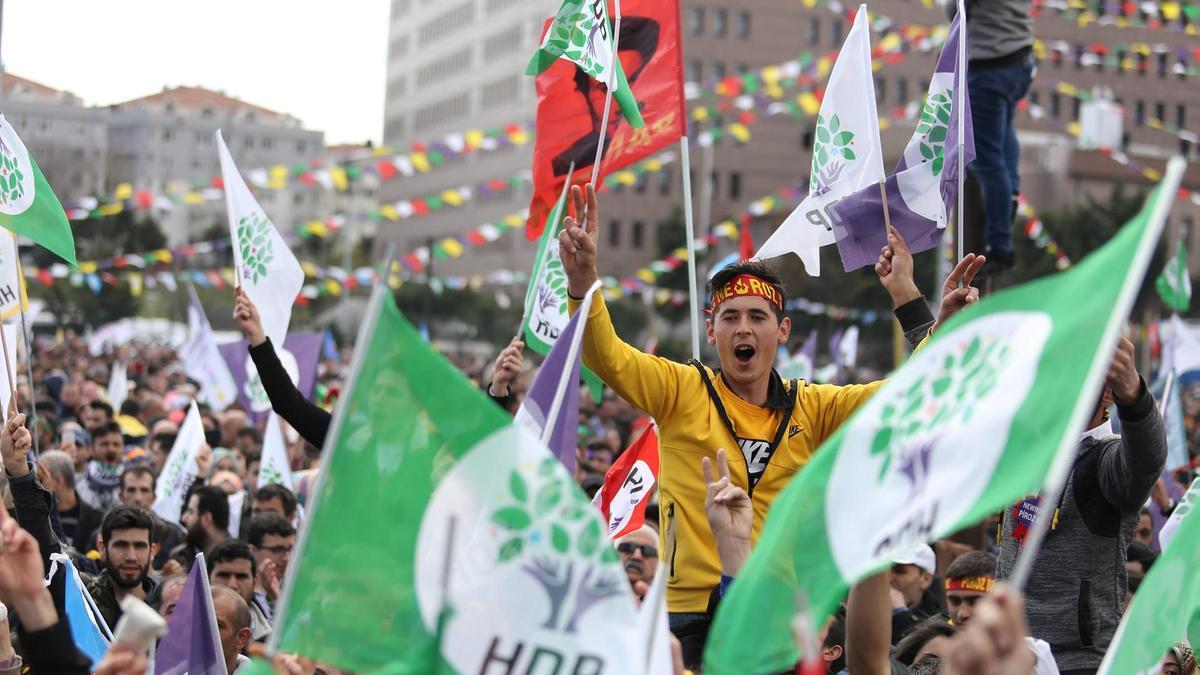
point(8, 369)
point(887, 215)
point(27, 336)
point(608, 96)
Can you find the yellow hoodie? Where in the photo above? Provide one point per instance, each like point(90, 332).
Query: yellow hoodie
point(691, 427)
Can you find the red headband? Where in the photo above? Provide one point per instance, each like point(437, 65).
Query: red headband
point(981, 584)
point(746, 284)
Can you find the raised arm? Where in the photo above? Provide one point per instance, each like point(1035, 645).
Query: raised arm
point(306, 417)
point(648, 382)
point(1129, 468)
point(869, 626)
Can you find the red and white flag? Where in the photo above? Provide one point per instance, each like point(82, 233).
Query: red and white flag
point(628, 485)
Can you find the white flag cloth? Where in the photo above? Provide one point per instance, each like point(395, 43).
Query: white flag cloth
point(1181, 348)
point(847, 154)
point(847, 354)
point(275, 467)
point(202, 359)
point(118, 386)
point(270, 274)
point(10, 336)
point(653, 626)
point(237, 502)
point(12, 289)
point(180, 469)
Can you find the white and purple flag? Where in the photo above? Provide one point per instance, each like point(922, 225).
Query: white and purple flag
point(551, 407)
point(924, 186)
point(192, 644)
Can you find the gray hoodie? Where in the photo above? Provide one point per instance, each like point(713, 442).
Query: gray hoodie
point(1078, 582)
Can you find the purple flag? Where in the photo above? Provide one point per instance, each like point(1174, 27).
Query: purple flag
point(551, 407)
point(923, 188)
point(191, 644)
point(301, 352)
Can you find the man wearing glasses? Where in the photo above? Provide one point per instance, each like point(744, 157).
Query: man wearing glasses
point(639, 556)
point(271, 537)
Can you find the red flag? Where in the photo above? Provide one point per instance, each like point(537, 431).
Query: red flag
point(746, 247)
point(570, 105)
point(628, 485)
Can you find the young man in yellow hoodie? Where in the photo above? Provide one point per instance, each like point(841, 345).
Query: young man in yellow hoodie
point(745, 404)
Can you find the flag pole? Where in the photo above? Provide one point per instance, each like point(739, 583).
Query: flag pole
point(962, 100)
point(608, 96)
point(8, 370)
point(537, 264)
point(693, 294)
point(887, 214)
point(28, 337)
point(564, 382)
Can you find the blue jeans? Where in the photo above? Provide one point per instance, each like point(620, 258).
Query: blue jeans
point(994, 95)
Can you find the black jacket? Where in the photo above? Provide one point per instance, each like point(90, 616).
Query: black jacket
point(103, 592)
point(53, 650)
point(307, 418)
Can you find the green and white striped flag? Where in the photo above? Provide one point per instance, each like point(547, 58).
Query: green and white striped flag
point(1174, 284)
point(1166, 607)
point(28, 206)
point(986, 412)
point(581, 33)
point(546, 298)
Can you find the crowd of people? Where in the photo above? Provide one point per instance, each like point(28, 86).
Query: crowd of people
point(730, 440)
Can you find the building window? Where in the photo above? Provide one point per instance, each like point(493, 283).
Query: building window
point(806, 139)
point(1180, 115)
point(614, 233)
point(1076, 105)
point(665, 178)
point(735, 185)
point(640, 183)
point(742, 69)
point(504, 90)
point(1162, 64)
point(814, 30)
point(696, 21)
point(835, 32)
point(720, 22)
point(902, 91)
point(1034, 97)
point(1055, 105)
point(718, 71)
point(447, 66)
point(880, 89)
point(447, 23)
point(1160, 113)
point(691, 71)
point(638, 235)
point(743, 24)
point(504, 42)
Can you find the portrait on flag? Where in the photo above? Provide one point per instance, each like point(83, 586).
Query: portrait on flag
point(571, 106)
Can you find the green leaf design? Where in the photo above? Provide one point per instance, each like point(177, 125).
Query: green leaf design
point(847, 153)
point(512, 518)
point(843, 138)
point(923, 128)
point(927, 152)
point(937, 166)
point(546, 468)
point(575, 511)
point(938, 135)
point(559, 539)
point(589, 539)
point(549, 496)
point(834, 124)
point(516, 486)
point(822, 135)
point(880, 445)
point(609, 555)
point(579, 38)
point(511, 549)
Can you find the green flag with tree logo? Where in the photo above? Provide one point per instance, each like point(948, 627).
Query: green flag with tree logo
point(442, 536)
point(28, 206)
point(991, 406)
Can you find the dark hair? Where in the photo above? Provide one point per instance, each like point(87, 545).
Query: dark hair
point(286, 497)
point(251, 433)
point(930, 665)
point(262, 524)
point(131, 407)
point(213, 500)
point(109, 427)
point(755, 268)
point(101, 405)
point(126, 517)
point(836, 637)
point(1141, 553)
point(972, 564)
point(136, 470)
point(229, 550)
point(154, 597)
point(908, 648)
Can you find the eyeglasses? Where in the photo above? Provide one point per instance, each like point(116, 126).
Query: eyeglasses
point(277, 550)
point(628, 548)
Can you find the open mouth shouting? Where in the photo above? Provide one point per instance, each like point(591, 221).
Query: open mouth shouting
point(743, 354)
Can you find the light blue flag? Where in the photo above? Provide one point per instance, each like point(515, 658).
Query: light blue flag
point(88, 629)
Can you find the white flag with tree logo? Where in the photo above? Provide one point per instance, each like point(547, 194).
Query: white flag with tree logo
point(847, 155)
point(265, 265)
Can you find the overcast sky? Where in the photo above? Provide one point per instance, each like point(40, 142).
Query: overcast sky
point(320, 61)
